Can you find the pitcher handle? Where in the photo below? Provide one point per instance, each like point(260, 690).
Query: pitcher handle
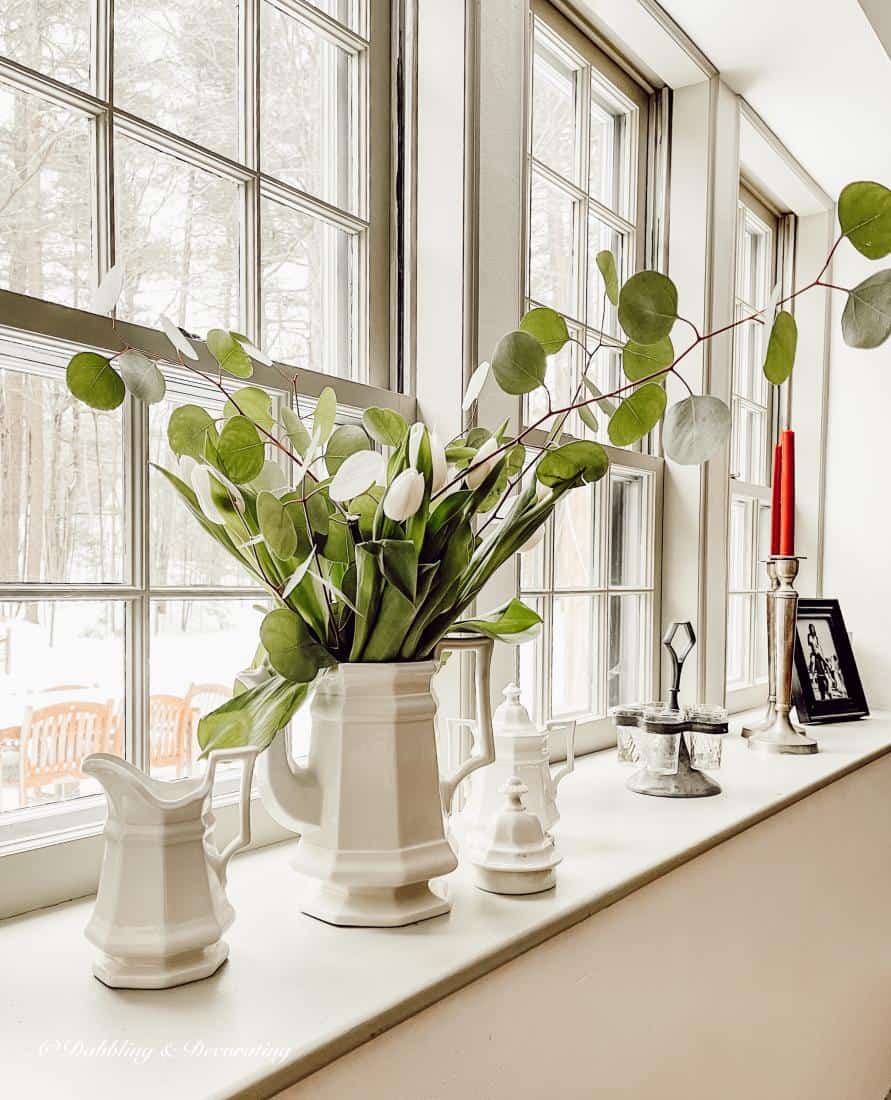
point(484, 751)
point(569, 766)
point(246, 757)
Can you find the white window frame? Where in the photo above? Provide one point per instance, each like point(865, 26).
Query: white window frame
point(595, 731)
point(51, 332)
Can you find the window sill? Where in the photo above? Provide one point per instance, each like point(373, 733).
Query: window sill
point(314, 992)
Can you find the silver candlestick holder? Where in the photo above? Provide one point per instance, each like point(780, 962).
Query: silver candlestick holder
point(778, 734)
point(767, 721)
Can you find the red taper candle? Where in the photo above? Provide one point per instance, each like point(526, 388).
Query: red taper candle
point(775, 501)
point(787, 497)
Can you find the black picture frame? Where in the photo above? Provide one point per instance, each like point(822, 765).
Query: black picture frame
point(826, 685)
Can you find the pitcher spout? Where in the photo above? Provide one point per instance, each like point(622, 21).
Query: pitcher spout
point(292, 794)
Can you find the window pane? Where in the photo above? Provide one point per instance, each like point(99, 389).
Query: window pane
point(45, 200)
point(760, 629)
point(601, 312)
point(307, 279)
point(554, 105)
point(575, 560)
point(740, 573)
point(761, 578)
point(61, 696)
point(51, 36)
point(352, 13)
point(62, 504)
point(178, 240)
point(181, 551)
point(629, 528)
point(602, 170)
point(532, 563)
point(176, 64)
point(573, 688)
point(552, 247)
point(749, 442)
point(605, 372)
point(626, 676)
point(197, 649)
point(738, 632)
point(307, 109)
point(561, 379)
point(530, 670)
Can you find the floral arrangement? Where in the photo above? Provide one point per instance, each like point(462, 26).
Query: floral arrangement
point(384, 535)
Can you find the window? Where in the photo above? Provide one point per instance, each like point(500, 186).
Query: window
point(234, 184)
point(219, 152)
point(751, 447)
point(593, 578)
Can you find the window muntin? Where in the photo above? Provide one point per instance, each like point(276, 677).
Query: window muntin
point(752, 439)
point(214, 119)
point(593, 578)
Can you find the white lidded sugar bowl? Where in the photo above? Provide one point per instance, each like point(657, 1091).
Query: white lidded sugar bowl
point(513, 855)
point(522, 749)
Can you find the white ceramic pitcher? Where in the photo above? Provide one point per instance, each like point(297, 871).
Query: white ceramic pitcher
point(162, 907)
point(369, 804)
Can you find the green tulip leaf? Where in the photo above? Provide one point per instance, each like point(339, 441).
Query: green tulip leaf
point(864, 214)
point(579, 460)
point(641, 360)
point(276, 526)
point(325, 414)
point(339, 546)
point(254, 403)
point(345, 441)
point(513, 623)
point(866, 320)
point(93, 380)
point(780, 357)
point(252, 717)
point(648, 307)
point(293, 652)
point(385, 426)
point(695, 429)
point(547, 326)
point(229, 353)
point(519, 363)
point(638, 414)
point(241, 450)
point(606, 265)
point(188, 428)
point(142, 377)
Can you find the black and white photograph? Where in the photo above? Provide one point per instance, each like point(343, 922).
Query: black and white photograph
point(826, 683)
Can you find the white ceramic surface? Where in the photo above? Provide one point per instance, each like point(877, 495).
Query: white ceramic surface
point(369, 804)
point(162, 908)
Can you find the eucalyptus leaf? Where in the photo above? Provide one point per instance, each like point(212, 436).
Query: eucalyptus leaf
point(385, 426)
point(648, 307)
point(325, 414)
point(338, 545)
point(588, 418)
point(241, 450)
point(293, 652)
point(93, 380)
point(866, 320)
point(864, 214)
point(346, 440)
point(188, 428)
point(105, 297)
point(547, 326)
point(365, 507)
point(695, 429)
point(638, 414)
point(513, 623)
point(357, 474)
point(580, 460)
point(276, 526)
point(141, 376)
point(252, 717)
point(252, 402)
point(780, 357)
point(641, 360)
point(227, 351)
point(605, 404)
point(295, 429)
point(175, 336)
point(606, 265)
point(253, 351)
point(475, 385)
point(519, 363)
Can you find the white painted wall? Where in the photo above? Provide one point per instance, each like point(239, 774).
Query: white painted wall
point(858, 498)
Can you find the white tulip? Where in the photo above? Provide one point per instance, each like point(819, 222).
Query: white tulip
point(404, 496)
point(474, 385)
point(356, 475)
point(415, 435)
point(481, 464)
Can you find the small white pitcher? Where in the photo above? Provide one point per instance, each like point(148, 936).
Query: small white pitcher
point(162, 906)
